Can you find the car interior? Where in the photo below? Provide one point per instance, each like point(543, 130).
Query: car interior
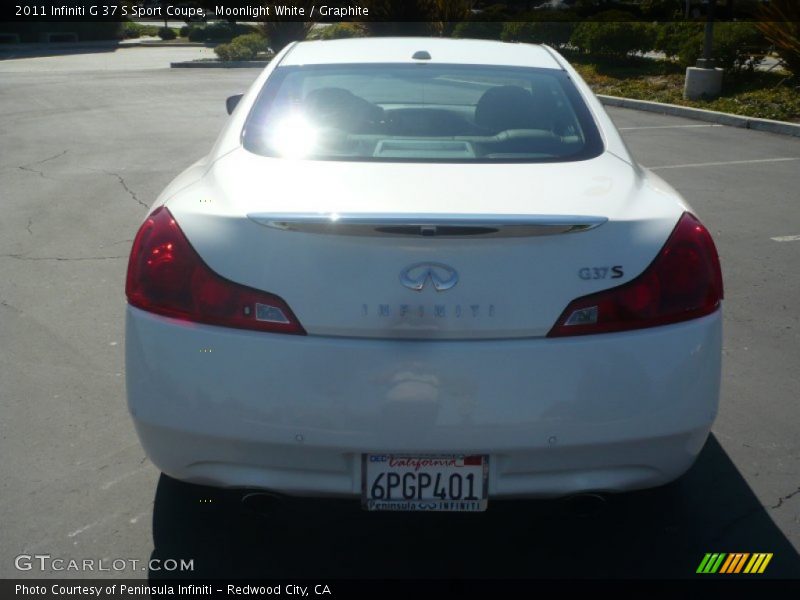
point(508, 121)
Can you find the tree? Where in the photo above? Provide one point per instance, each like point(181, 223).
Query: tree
point(414, 17)
point(781, 27)
point(445, 14)
point(663, 10)
point(283, 30)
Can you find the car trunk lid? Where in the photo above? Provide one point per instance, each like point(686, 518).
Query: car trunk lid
point(416, 250)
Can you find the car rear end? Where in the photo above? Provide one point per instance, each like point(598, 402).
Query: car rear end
point(424, 320)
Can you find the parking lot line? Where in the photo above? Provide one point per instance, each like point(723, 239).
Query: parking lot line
point(667, 127)
point(725, 163)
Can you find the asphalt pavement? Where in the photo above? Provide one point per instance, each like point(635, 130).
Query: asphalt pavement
point(98, 56)
point(85, 149)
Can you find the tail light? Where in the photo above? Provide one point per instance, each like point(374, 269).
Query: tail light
point(683, 282)
point(166, 276)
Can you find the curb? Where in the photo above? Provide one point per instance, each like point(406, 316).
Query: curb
point(218, 64)
point(172, 45)
point(699, 114)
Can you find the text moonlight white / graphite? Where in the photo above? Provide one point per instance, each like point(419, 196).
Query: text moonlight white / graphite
point(283, 10)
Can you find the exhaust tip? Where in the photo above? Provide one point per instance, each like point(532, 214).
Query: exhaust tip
point(262, 502)
point(586, 505)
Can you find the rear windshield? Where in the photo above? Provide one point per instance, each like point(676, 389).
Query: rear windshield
point(421, 113)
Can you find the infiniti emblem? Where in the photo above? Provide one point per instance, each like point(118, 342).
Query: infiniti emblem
point(416, 276)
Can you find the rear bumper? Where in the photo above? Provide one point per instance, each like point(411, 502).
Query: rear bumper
point(293, 414)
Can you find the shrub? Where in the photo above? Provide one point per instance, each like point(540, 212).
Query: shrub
point(167, 33)
point(255, 41)
point(613, 34)
point(228, 52)
point(737, 47)
point(671, 37)
point(486, 25)
point(217, 31)
point(196, 33)
point(479, 30)
point(131, 30)
point(184, 32)
point(338, 31)
point(556, 31)
point(243, 47)
point(136, 30)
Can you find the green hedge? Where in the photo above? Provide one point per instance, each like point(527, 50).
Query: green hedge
point(486, 25)
point(479, 30)
point(553, 28)
point(217, 31)
point(337, 31)
point(552, 33)
point(613, 34)
point(243, 47)
point(136, 30)
point(671, 37)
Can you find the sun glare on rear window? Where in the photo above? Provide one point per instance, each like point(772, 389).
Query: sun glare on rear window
point(421, 113)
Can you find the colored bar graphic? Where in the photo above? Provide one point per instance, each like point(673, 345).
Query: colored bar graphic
point(730, 564)
point(703, 563)
point(757, 558)
point(717, 563)
point(740, 563)
point(768, 557)
point(712, 558)
point(720, 562)
point(728, 567)
point(727, 564)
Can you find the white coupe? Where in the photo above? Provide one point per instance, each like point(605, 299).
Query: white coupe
point(425, 273)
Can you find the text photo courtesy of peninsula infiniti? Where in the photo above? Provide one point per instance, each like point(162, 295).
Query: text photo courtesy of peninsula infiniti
point(425, 273)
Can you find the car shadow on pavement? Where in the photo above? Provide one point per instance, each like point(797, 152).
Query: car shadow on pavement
point(654, 533)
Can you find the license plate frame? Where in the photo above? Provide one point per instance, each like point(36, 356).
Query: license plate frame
point(468, 491)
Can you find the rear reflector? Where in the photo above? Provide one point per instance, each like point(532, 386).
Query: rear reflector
point(168, 277)
point(683, 282)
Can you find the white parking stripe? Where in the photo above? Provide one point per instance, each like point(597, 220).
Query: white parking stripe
point(722, 164)
point(786, 238)
point(667, 127)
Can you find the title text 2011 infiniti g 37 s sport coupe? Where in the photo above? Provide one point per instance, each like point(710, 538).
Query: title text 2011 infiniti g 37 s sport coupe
point(424, 272)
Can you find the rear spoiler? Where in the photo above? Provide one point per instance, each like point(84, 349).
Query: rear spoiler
point(428, 224)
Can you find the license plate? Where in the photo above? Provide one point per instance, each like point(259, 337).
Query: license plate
point(452, 482)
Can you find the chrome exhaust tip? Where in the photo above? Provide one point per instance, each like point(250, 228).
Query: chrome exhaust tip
point(585, 505)
point(262, 501)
